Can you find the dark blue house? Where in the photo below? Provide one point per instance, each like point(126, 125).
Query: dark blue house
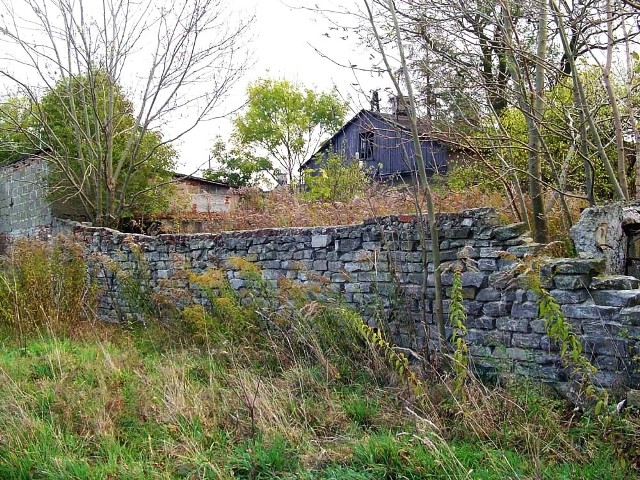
point(382, 142)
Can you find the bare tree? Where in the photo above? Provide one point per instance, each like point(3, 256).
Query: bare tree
point(409, 105)
point(176, 61)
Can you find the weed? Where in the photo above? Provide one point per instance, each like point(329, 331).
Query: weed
point(361, 410)
point(457, 318)
point(44, 287)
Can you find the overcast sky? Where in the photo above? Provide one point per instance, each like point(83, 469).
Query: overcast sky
point(283, 47)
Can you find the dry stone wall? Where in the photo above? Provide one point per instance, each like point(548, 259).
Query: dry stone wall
point(377, 267)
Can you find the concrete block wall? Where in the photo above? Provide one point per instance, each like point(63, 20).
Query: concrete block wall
point(377, 267)
point(24, 209)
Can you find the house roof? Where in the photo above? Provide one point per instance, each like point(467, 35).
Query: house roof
point(180, 176)
point(400, 122)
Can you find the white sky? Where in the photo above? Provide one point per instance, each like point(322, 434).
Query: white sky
point(283, 43)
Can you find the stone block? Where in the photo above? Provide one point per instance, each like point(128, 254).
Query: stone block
point(357, 266)
point(525, 310)
point(320, 265)
point(461, 232)
point(526, 340)
point(549, 345)
point(347, 256)
point(272, 264)
point(520, 354)
point(340, 277)
point(488, 295)
point(607, 362)
point(489, 338)
point(527, 249)
point(373, 276)
point(495, 309)
point(320, 241)
point(630, 316)
point(597, 345)
point(614, 282)
point(599, 327)
point(335, 266)
point(468, 293)
point(348, 245)
point(474, 279)
point(588, 310)
point(616, 298)
point(509, 232)
point(570, 296)
point(577, 266)
point(162, 274)
point(479, 351)
point(608, 379)
point(487, 264)
point(484, 323)
point(501, 280)
point(272, 274)
point(352, 288)
point(491, 252)
point(472, 307)
point(507, 263)
point(513, 324)
point(571, 282)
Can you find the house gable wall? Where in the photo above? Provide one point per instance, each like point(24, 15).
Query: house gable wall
point(24, 209)
point(393, 150)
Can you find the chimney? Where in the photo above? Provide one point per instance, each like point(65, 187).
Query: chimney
point(375, 101)
point(400, 108)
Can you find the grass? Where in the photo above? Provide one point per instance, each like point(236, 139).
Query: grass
point(261, 387)
point(115, 403)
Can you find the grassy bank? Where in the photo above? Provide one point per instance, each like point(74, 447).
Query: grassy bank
point(115, 403)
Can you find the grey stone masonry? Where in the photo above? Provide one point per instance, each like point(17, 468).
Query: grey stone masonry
point(24, 209)
point(377, 265)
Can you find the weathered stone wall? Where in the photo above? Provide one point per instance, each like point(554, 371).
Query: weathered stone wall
point(377, 266)
point(24, 210)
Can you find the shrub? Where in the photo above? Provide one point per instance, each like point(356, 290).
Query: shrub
point(43, 285)
point(336, 180)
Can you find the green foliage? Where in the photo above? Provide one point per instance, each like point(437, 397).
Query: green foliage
point(238, 166)
point(44, 287)
point(16, 119)
point(286, 121)
point(300, 327)
point(335, 180)
point(124, 166)
point(560, 123)
point(463, 177)
point(141, 302)
point(457, 319)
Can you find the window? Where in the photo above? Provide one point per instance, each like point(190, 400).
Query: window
point(366, 146)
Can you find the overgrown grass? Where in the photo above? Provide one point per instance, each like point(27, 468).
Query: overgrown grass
point(277, 384)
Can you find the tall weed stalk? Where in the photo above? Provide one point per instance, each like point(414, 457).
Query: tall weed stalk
point(44, 286)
